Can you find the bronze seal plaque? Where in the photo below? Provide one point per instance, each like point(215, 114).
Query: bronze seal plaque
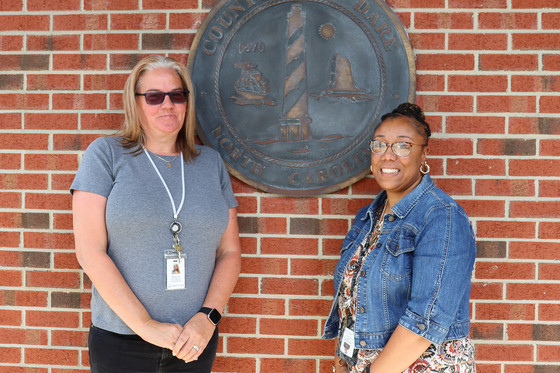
point(290, 92)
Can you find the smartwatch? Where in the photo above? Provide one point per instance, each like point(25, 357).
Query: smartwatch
point(212, 313)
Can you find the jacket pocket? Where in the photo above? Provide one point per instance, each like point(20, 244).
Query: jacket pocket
point(397, 258)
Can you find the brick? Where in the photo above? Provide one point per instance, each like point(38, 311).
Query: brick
point(68, 162)
point(80, 22)
point(548, 353)
point(11, 42)
point(139, 21)
point(505, 229)
point(314, 347)
point(78, 101)
point(551, 62)
point(24, 101)
point(109, 82)
point(9, 121)
point(549, 312)
point(51, 356)
point(434, 61)
point(10, 278)
point(430, 82)
point(70, 300)
point(508, 62)
point(450, 147)
point(295, 286)
point(35, 259)
point(40, 240)
point(446, 103)
point(287, 365)
point(549, 188)
point(442, 20)
point(270, 266)
point(533, 250)
point(332, 246)
point(48, 121)
point(53, 82)
point(10, 317)
point(238, 325)
point(455, 186)
point(430, 41)
point(475, 124)
point(316, 267)
point(483, 208)
point(169, 4)
point(531, 4)
point(10, 354)
point(248, 245)
point(531, 83)
point(110, 5)
point(327, 288)
point(25, 22)
point(9, 239)
point(549, 147)
point(52, 319)
point(549, 104)
point(53, 43)
point(61, 182)
point(262, 225)
point(344, 206)
point(248, 345)
point(24, 336)
point(505, 187)
point(484, 42)
point(11, 5)
point(506, 271)
point(50, 201)
point(166, 41)
point(478, 4)
point(536, 41)
point(539, 291)
point(24, 181)
point(309, 307)
point(487, 331)
point(82, 61)
point(65, 261)
point(311, 226)
point(506, 104)
point(23, 298)
point(300, 327)
point(101, 121)
point(62, 221)
point(509, 20)
point(38, 5)
point(475, 166)
point(11, 82)
point(547, 126)
point(52, 279)
point(534, 167)
point(73, 141)
point(477, 83)
point(186, 20)
point(247, 205)
point(365, 186)
point(236, 364)
point(24, 62)
point(287, 205)
point(10, 200)
point(549, 230)
point(246, 285)
point(513, 147)
point(509, 352)
point(69, 338)
point(547, 209)
point(110, 41)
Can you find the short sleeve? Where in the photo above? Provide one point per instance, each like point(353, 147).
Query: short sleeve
point(95, 173)
point(225, 182)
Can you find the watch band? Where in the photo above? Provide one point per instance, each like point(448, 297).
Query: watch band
point(213, 314)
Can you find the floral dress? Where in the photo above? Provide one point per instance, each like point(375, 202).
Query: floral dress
point(455, 356)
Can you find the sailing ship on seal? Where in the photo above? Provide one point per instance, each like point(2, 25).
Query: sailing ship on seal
point(251, 87)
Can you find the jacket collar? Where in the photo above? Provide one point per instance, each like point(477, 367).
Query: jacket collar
point(406, 204)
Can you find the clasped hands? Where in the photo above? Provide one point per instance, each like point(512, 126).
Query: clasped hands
point(187, 343)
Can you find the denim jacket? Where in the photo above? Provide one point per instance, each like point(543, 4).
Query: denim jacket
point(419, 273)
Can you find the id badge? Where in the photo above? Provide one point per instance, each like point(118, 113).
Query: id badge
point(175, 270)
point(347, 343)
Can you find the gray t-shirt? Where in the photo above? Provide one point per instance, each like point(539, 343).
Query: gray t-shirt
point(138, 216)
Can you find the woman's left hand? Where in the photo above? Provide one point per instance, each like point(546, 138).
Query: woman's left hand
point(196, 333)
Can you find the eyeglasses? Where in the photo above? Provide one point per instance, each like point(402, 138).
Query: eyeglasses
point(400, 148)
point(177, 96)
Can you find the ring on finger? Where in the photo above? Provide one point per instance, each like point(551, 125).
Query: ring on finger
point(196, 348)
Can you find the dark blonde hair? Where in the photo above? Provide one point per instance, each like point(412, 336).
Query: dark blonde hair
point(133, 136)
point(414, 114)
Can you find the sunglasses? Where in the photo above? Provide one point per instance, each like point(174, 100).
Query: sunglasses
point(178, 96)
point(400, 149)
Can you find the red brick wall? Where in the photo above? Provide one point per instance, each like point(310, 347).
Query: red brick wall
point(489, 80)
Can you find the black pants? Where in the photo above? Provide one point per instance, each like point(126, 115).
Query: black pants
point(118, 353)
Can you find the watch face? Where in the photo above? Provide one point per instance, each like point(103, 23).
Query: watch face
point(214, 316)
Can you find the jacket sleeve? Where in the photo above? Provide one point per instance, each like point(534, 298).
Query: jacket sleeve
point(442, 264)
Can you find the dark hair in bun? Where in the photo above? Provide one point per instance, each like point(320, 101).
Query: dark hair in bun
point(414, 113)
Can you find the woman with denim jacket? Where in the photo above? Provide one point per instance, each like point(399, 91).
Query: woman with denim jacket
point(403, 279)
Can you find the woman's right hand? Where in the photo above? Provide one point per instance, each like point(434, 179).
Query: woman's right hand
point(340, 365)
point(160, 334)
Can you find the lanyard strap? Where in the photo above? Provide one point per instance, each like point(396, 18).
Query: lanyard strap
point(175, 212)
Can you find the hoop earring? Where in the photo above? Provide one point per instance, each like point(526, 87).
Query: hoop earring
point(425, 168)
point(371, 168)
